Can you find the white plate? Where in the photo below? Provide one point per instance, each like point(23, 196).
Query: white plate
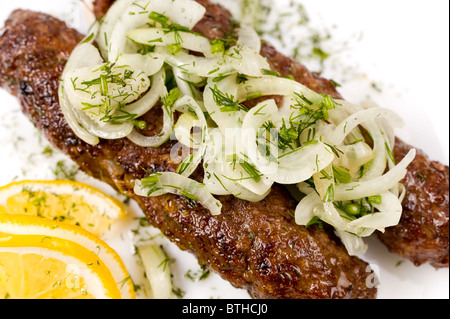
point(400, 46)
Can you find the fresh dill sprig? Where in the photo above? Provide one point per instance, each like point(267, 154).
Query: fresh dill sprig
point(226, 101)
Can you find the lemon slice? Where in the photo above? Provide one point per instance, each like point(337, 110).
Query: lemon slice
point(41, 258)
point(71, 202)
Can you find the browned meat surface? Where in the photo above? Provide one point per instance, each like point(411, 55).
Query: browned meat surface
point(422, 235)
point(101, 7)
point(255, 246)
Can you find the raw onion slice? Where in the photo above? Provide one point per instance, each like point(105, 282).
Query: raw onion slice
point(272, 85)
point(237, 59)
point(220, 172)
point(150, 64)
point(186, 13)
point(151, 98)
point(189, 85)
point(300, 164)
point(108, 23)
point(157, 140)
point(105, 131)
point(251, 127)
point(190, 105)
point(83, 55)
point(160, 37)
point(89, 97)
point(249, 38)
point(356, 190)
point(304, 211)
point(354, 244)
point(182, 130)
point(347, 126)
point(72, 120)
point(217, 99)
point(157, 270)
point(218, 182)
point(162, 183)
point(389, 214)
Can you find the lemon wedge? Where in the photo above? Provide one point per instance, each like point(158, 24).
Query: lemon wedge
point(42, 258)
point(66, 201)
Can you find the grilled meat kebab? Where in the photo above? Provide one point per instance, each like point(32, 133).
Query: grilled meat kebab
point(256, 246)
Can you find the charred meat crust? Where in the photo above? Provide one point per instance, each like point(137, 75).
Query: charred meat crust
point(255, 246)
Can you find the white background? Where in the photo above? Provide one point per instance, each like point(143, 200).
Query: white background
point(400, 45)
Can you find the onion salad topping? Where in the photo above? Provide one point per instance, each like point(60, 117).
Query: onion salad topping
point(338, 154)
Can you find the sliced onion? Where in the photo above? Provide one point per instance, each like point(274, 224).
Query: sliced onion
point(218, 182)
point(108, 23)
point(377, 166)
point(83, 55)
point(322, 183)
point(246, 61)
point(177, 184)
point(187, 104)
point(304, 211)
point(159, 37)
point(183, 128)
point(236, 60)
point(347, 126)
point(87, 57)
point(183, 12)
point(225, 120)
point(72, 120)
point(187, 84)
point(164, 135)
point(353, 156)
point(237, 173)
point(390, 211)
point(305, 188)
point(251, 125)
point(151, 98)
point(191, 104)
point(150, 64)
point(377, 132)
point(248, 37)
point(354, 244)
point(222, 179)
point(105, 131)
point(213, 164)
point(247, 195)
point(302, 163)
point(350, 231)
point(157, 270)
point(375, 186)
point(214, 182)
point(331, 216)
point(81, 95)
point(156, 140)
point(271, 85)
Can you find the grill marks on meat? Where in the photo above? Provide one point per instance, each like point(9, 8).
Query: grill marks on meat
point(255, 246)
